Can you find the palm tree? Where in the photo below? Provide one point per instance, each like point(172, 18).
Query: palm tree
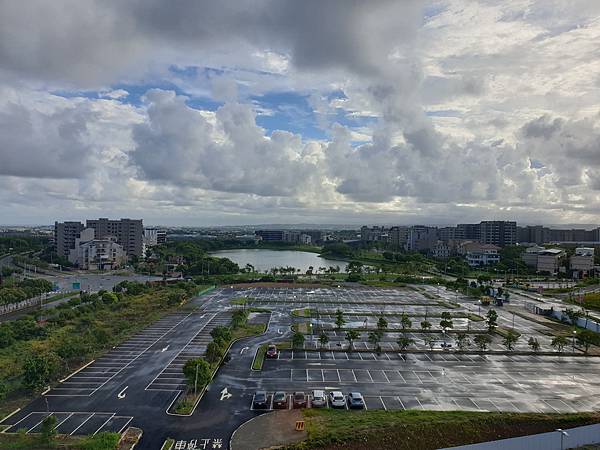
point(323, 339)
point(351, 336)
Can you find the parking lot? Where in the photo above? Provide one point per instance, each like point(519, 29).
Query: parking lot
point(135, 382)
point(95, 375)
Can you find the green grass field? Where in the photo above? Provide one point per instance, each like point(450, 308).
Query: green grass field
point(425, 430)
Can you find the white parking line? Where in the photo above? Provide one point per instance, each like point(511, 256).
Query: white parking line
point(81, 424)
point(105, 422)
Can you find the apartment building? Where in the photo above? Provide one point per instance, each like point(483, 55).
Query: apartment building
point(129, 233)
point(154, 236)
point(65, 234)
point(498, 232)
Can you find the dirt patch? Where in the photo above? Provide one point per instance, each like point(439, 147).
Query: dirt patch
point(269, 430)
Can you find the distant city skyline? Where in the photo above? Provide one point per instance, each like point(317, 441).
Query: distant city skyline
point(384, 112)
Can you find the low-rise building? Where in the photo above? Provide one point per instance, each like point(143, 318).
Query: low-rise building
point(549, 260)
point(478, 254)
point(582, 262)
point(97, 254)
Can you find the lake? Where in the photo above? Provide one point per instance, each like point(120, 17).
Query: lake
point(266, 259)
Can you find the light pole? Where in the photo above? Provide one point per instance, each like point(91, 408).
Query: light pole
point(574, 334)
point(563, 433)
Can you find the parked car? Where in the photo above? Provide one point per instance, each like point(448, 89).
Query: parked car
point(355, 400)
point(271, 351)
point(299, 400)
point(280, 400)
point(260, 400)
point(319, 400)
point(337, 399)
point(446, 345)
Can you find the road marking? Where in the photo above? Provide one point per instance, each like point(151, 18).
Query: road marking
point(105, 422)
point(165, 348)
point(247, 348)
point(81, 424)
point(122, 393)
point(226, 395)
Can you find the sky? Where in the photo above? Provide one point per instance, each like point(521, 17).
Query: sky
point(202, 113)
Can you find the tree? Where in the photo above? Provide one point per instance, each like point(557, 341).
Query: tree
point(239, 318)
point(298, 340)
point(429, 341)
point(351, 336)
point(221, 332)
point(586, 338)
point(573, 315)
point(39, 370)
point(375, 338)
point(3, 390)
point(425, 325)
point(323, 339)
point(214, 352)
point(492, 320)
point(197, 373)
point(404, 342)
point(405, 322)
point(559, 343)
point(382, 324)
point(48, 431)
point(534, 344)
point(462, 341)
point(482, 341)
point(510, 340)
point(339, 319)
point(446, 321)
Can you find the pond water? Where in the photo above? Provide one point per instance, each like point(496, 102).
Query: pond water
point(266, 259)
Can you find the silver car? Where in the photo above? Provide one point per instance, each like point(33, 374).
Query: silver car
point(337, 399)
point(318, 399)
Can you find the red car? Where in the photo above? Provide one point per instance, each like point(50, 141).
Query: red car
point(299, 400)
point(271, 351)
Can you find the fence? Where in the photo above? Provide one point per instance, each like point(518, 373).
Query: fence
point(555, 440)
point(28, 303)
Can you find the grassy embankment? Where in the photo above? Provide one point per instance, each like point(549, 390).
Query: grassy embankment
point(425, 430)
point(22, 441)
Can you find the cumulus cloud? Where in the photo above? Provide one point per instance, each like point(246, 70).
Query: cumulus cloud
point(440, 109)
point(225, 151)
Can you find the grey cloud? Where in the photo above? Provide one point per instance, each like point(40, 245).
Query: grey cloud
point(44, 145)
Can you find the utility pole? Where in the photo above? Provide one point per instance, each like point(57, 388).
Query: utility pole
point(196, 381)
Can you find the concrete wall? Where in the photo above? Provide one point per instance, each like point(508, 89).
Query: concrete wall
point(589, 434)
point(590, 324)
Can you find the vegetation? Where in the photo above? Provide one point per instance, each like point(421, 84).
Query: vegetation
point(34, 354)
point(22, 441)
point(425, 430)
point(559, 343)
point(15, 291)
point(491, 320)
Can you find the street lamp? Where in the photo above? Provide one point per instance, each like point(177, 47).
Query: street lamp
point(574, 334)
point(444, 336)
point(563, 433)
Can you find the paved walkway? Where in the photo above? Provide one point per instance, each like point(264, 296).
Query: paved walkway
point(269, 430)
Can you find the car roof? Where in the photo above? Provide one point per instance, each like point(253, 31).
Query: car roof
point(336, 393)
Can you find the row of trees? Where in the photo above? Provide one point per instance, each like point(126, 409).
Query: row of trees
point(16, 291)
point(198, 371)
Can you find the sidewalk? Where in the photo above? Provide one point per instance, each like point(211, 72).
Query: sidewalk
point(269, 430)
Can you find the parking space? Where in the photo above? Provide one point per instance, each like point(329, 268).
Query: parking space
point(92, 377)
point(171, 378)
point(73, 423)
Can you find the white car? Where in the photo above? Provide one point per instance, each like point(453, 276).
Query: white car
point(318, 399)
point(337, 399)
